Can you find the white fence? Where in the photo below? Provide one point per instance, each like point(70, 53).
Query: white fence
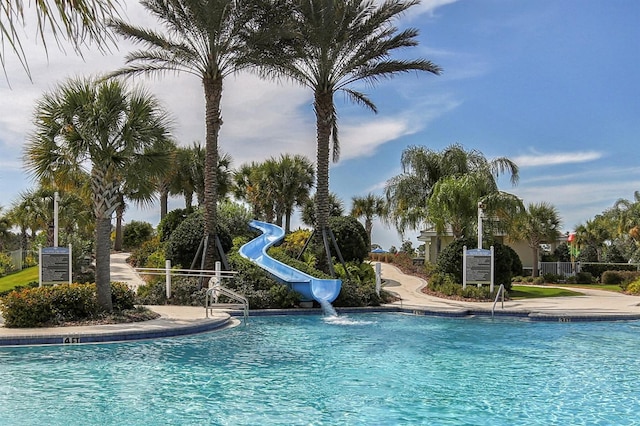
point(566, 269)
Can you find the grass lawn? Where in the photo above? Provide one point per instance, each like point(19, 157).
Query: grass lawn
point(607, 287)
point(526, 292)
point(22, 278)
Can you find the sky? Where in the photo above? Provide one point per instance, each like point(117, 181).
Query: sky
point(552, 85)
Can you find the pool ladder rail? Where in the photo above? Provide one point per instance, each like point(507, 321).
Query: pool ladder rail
point(500, 292)
point(239, 301)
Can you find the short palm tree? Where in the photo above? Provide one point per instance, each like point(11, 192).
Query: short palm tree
point(107, 132)
point(539, 223)
point(369, 207)
point(327, 46)
point(202, 38)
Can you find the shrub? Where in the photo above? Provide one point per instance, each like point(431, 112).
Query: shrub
point(294, 242)
point(6, 265)
point(140, 256)
point(584, 278)
point(597, 269)
point(351, 237)
point(622, 278)
point(53, 305)
point(507, 262)
point(185, 291)
point(183, 245)
point(170, 222)
point(135, 233)
point(353, 293)
point(634, 287)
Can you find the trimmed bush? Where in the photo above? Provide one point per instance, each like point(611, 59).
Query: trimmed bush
point(135, 233)
point(507, 262)
point(54, 305)
point(185, 240)
point(351, 237)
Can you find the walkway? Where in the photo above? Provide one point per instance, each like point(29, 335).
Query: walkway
point(595, 304)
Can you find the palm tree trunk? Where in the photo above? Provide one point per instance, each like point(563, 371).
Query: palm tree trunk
point(323, 106)
point(535, 270)
point(164, 203)
point(103, 263)
point(105, 201)
point(368, 226)
point(117, 244)
point(213, 122)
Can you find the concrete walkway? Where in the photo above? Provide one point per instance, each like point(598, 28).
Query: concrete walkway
point(593, 303)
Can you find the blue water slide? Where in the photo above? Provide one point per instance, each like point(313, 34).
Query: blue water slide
point(309, 287)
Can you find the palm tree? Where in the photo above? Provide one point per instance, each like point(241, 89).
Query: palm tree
point(327, 46)
point(202, 39)
point(78, 21)
point(368, 207)
point(114, 133)
point(539, 224)
point(469, 173)
point(593, 233)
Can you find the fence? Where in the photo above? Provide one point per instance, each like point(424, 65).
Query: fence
point(566, 269)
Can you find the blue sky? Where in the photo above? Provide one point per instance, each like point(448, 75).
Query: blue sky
point(552, 85)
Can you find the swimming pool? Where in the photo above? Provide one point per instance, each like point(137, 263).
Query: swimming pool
point(382, 369)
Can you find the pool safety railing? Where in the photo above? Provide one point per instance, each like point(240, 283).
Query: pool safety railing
point(212, 302)
point(500, 292)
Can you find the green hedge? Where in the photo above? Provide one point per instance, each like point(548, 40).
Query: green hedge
point(54, 305)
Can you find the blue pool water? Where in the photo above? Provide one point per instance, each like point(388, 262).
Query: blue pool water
point(369, 369)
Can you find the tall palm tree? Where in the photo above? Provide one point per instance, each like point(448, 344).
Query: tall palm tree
point(78, 21)
point(327, 46)
point(202, 39)
point(369, 207)
point(408, 194)
point(112, 132)
point(539, 224)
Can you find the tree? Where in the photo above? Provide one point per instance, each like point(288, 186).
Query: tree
point(593, 233)
point(309, 209)
point(540, 223)
point(468, 175)
point(291, 179)
point(275, 187)
point(203, 39)
point(369, 207)
point(78, 21)
point(113, 132)
point(327, 46)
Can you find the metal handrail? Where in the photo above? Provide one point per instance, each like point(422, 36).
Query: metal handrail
point(500, 291)
point(216, 290)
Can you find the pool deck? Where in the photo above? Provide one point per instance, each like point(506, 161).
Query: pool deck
point(594, 305)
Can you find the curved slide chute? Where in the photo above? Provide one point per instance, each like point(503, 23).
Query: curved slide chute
point(310, 288)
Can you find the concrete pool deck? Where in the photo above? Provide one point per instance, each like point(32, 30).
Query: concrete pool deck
point(593, 305)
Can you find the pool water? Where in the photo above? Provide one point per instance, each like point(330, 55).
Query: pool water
point(365, 369)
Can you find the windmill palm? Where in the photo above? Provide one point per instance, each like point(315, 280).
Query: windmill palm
point(538, 224)
point(327, 46)
point(202, 39)
point(369, 207)
point(78, 21)
point(104, 131)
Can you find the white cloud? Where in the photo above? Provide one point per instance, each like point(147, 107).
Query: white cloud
point(552, 159)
